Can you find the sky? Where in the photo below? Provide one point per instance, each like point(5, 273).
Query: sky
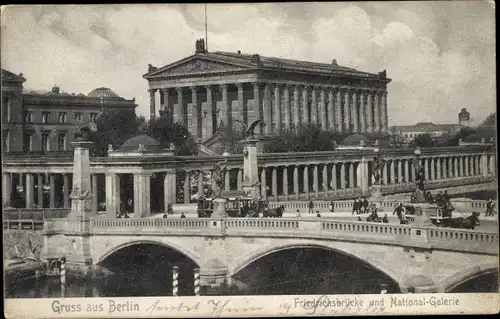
point(440, 55)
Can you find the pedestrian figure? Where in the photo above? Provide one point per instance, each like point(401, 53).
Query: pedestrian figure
point(359, 219)
point(355, 207)
point(385, 219)
point(399, 210)
point(318, 214)
point(165, 215)
point(182, 215)
point(332, 206)
point(365, 205)
point(490, 208)
point(298, 213)
point(311, 207)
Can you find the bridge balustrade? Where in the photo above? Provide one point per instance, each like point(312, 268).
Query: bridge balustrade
point(163, 223)
point(35, 213)
point(464, 239)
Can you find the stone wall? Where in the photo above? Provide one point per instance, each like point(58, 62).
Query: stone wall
point(11, 238)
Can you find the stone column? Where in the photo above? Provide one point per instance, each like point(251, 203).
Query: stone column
point(467, 166)
point(407, 171)
point(239, 179)
point(462, 166)
point(142, 195)
point(455, 166)
point(285, 182)
point(65, 190)
point(179, 115)
point(194, 127)
point(267, 109)
point(342, 177)
point(426, 168)
point(40, 190)
point(322, 113)
point(325, 179)
point(296, 106)
point(384, 174)
point(306, 180)
point(94, 187)
point(256, 105)
point(362, 175)
point(274, 180)
point(314, 105)
point(152, 103)
point(6, 188)
point(377, 112)
point(52, 195)
point(347, 111)
point(169, 189)
point(296, 182)
point(362, 111)
point(200, 182)
point(288, 117)
point(334, 178)
point(316, 180)
point(263, 183)
point(338, 110)
point(225, 106)
point(400, 172)
point(241, 104)
point(450, 167)
point(369, 111)
point(478, 164)
point(355, 110)
point(208, 128)
point(305, 105)
point(30, 188)
point(277, 107)
point(352, 185)
point(187, 187)
point(438, 168)
point(384, 117)
point(393, 174)
point(113, 195)
point(331, 111)
point(227, 180)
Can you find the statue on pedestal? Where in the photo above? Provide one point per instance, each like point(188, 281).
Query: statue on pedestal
point(378, 165)
point(218, 176)
point(419, 181)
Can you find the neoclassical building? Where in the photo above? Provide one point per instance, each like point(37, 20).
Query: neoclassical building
point(209, 89)
point(47, 122)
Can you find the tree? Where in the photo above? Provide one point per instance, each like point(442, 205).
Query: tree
point(114, 127)
point(166, 132)
point(305, 138)
point(423, 140)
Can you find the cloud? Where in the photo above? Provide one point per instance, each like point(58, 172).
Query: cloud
point(440, 55)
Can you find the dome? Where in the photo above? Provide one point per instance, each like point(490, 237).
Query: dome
point(103, 92)
point(135, 142)
point(355, 139)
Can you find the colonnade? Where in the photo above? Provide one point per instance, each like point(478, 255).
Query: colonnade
point(278, 182)
point(280, 105)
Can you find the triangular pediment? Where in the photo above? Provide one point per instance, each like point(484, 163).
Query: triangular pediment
point(194, 65)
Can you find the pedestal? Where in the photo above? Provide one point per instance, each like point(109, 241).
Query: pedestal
point(376, 197)
point(423, 212)
point(252, 191)
point(219, 205)
point(213, 281)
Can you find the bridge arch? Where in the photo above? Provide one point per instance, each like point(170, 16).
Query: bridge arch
point(467, 274)
point(256, 255)
point(115, 248)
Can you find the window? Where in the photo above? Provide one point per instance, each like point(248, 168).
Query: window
point(62, 117)
point(28, 142)
point(61, 141)
point(45, 142)
point(78, 117)
point(45, 117)
point(93, 117)
point(27, 117)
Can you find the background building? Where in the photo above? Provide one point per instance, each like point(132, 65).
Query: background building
point(210, 89)
point(49, 122)
point(407, 133)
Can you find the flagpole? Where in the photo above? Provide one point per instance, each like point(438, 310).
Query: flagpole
point(206, 28)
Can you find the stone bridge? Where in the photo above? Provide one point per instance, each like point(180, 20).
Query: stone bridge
point(223, 247)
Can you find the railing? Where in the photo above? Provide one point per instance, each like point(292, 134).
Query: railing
point(346, 205)
point(22, 224)
point(374, 233)
point(35, 213)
